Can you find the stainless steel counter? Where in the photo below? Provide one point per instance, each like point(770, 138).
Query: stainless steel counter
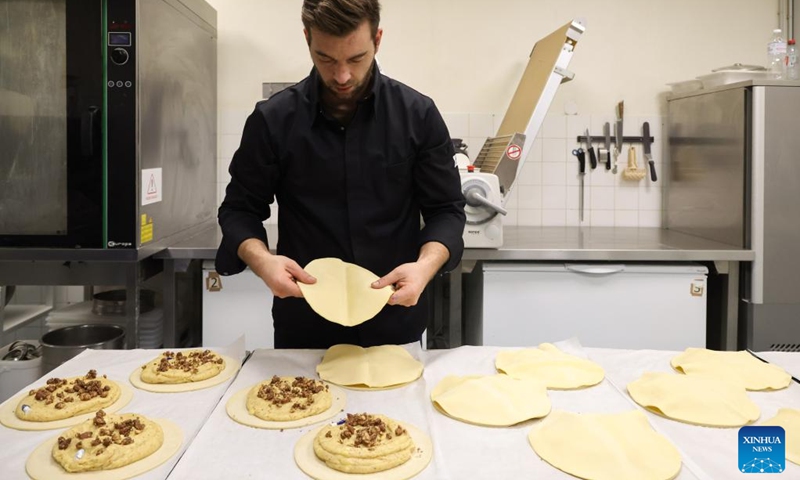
point(542, 243)
point(568, 244)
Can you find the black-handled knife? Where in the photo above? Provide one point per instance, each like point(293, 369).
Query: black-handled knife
point(647, 155)
point(590, 149)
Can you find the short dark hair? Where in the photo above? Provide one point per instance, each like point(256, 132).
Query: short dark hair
point(340, 17)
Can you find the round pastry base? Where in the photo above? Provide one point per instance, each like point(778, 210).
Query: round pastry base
point(42, 466)
point(311, 465)
point(237, 410)
point(9, 418)
point(231, 367)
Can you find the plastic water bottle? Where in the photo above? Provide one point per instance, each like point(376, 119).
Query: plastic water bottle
point(776, 54)
point(792, 67)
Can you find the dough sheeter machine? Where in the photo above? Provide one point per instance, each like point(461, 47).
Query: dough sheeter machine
point(487, 182)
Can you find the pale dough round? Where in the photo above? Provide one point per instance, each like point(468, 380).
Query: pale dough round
point(620, 446)
point(42, 466)
point(315, 468)
point(237, 411)
point(373, 367)
point(789, 419)
point(231, 367)
point(206, 370)
point(343, 293)
point(740, 367)
point(548, 364)
point(494, 400)
point(9, 418)
point(694, 399)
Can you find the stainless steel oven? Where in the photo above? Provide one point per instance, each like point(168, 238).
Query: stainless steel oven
point(107, 121)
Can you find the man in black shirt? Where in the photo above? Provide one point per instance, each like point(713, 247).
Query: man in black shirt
point(353, 158)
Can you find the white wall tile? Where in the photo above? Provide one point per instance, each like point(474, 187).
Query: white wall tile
point(574, 196)
point(531, 174)
point(511, 218)
point(577, 125)
point(554, 197)
point(222, 170)
point(228, 144)
point(554, 218)
point(511, 197)
point(554, 150)
point(597, 122)
point(529, 218)
point(457, 124)
point(554, 173)
point(574, 218)
point(650, 218)
point(602, 198)
point(232, 121)
point(626, 218)
point(600, 177)
point(554, 126)
point(481, 125)
point(602, 218)
point(627, 198)
point(534, 152)
point(529, 197)
point(650, 198)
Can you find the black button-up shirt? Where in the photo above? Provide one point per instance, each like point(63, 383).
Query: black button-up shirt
point(352, 192)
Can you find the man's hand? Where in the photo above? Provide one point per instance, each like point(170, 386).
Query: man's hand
point(279, 273)
point(410, 279)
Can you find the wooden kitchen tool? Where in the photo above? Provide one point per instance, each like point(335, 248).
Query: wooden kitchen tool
point(632, 171)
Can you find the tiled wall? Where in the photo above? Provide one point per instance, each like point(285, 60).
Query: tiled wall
point(546, 192)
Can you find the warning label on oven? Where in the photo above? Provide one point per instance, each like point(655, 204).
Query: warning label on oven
point(151, 185)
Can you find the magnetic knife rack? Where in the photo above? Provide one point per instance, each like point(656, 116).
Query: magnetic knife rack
point(602, 139)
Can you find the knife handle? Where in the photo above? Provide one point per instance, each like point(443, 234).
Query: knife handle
point(592, 158)
point(652, 171)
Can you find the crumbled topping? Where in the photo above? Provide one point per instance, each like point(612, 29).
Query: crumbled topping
point(299, 392)
point(366, 430)
point(59, 390)
point(187, 363)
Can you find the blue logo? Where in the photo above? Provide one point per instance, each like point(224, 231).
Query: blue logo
point(762, 449)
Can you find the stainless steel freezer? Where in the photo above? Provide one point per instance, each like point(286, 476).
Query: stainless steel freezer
point(734, 177)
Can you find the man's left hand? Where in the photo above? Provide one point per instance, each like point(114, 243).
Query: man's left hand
point(410, 279)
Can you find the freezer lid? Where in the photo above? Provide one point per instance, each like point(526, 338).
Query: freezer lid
point(596, 268)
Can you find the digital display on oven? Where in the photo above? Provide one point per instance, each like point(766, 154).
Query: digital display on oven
point(119, 39)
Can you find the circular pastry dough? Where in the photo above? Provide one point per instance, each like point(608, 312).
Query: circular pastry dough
point(9, 418)
point(789, 419)
point(231, 367)
point(740, 367)
point(494, 400)
point(343, 292)
point(620, 446)
point(548, 364)
point(237, 410)
point(42, 466)
point(695, 399)
point(315, 468)
point(374, 367)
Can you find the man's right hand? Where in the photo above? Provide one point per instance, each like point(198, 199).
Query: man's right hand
point(280, 273)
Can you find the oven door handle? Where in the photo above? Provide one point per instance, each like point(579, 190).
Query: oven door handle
point(88, 130)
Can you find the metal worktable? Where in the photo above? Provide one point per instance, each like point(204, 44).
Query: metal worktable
point(74, 266)
point(567, 244)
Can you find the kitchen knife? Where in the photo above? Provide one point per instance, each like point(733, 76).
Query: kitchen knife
point(590, 149)
point(618, 132)
point(647, 155)
point(753, 354)
point(607, 133)
point(578, 152)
